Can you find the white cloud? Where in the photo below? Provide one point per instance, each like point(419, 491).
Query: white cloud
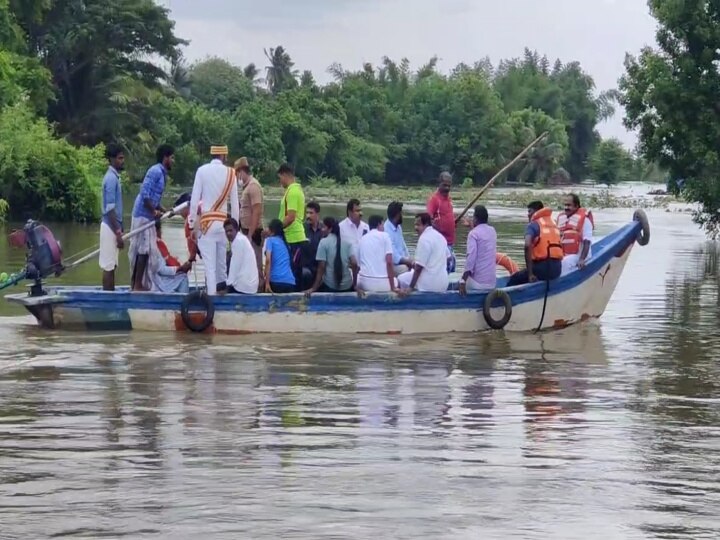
point(317, 33)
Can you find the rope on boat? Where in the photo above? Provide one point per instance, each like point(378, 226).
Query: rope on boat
point(547, 290)
point(542, 316)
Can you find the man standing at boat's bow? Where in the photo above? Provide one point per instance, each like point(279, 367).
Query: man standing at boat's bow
point(214, 185)
point(111, 226)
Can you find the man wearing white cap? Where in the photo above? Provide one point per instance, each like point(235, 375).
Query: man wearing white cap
point(215, 184)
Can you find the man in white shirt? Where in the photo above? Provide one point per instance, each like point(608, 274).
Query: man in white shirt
point(375, 257)
point(215, 184)
point(430, 269)
point(353, 228)
point(242, 275)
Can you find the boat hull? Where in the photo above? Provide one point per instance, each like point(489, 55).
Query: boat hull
point(576, 297)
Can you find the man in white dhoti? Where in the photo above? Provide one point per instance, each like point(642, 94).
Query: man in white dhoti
point(215, 184)
point(148, 208)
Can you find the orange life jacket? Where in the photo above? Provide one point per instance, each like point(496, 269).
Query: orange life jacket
point(165, 252)
point(501, 259)
point(547, 245)
point(571, 230)
point(214, 214)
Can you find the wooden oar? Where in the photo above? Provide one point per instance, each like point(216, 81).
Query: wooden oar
point(501, 171)
point(128, 235)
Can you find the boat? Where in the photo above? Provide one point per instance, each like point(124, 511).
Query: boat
point(575, 297)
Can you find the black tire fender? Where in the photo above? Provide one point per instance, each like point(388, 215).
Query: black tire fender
point(197, 299)
point(490, 299)
point(643, 237)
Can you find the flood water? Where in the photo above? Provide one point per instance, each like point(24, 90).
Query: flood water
point(600, 431)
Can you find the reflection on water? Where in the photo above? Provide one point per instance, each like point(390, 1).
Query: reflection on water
point(603, 430)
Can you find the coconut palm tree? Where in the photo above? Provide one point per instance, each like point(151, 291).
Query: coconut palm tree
point(251, 72)
point(178, 77)
point(280, 72)
point(605, 103)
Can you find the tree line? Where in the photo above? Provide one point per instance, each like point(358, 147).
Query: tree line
point(671, 95)
point(77, 74)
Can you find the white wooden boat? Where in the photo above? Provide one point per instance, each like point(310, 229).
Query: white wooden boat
point(575, 297)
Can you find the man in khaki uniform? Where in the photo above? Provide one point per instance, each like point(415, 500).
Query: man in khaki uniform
point(251, 210)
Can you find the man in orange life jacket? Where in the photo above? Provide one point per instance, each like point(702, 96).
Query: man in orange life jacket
point(576, 229)
point(543, 250)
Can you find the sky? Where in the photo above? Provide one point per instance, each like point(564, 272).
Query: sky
point(316, 33)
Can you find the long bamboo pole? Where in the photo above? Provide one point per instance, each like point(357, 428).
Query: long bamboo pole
point(130, 234)
point(501, 171)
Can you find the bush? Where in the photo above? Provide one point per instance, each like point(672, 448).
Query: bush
point(355, 182)
point(467, 183)
point(42, 176)
point(321, 181)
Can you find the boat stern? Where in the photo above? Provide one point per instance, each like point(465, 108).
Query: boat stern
point(41, 307)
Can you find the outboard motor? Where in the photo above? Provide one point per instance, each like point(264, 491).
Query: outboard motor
point(44, 254)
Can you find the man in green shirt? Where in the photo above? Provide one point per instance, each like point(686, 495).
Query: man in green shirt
point(292, 215)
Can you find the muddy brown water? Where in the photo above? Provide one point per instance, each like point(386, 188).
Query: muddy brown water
point(603, 430)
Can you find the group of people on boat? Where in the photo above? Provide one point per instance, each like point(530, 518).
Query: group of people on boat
point(302, 251)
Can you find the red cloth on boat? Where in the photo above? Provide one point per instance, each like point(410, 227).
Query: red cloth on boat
point(169, 259)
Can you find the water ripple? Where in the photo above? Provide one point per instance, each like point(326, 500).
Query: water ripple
point(605, 430)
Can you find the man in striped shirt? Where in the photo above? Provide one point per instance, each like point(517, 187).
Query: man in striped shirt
point(146, 209)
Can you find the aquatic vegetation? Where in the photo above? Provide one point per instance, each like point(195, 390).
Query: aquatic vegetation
point(329, 191)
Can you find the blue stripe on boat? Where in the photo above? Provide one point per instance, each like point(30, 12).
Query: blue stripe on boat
point(111, 308)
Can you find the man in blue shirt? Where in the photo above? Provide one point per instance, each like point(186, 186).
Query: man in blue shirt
point(111, 226)
point(393, 227)
point(146, 209)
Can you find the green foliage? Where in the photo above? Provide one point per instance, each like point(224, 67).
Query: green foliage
point(355, 181)
point(4, 210)
point(455, 122)
point(670, 96)
point(92, 48)
point(219, 85)
point(280, 73)
point(563, 92)
point(546, 156)
point(191, 129)
point(255, 132)
point(560, 176)
point(517, 199)
point(21, 77)
point(41, 175)
point(91, 67)
point(467, 182)
point(11, 35)
point(321, 181)
point(610, 163)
